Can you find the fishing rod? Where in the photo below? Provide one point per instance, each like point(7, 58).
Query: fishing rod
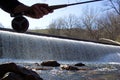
point(54, 7)
point(21, 24)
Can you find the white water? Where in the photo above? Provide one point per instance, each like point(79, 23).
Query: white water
point(113, 57)
point(33, 47)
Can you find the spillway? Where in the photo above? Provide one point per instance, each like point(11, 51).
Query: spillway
point(36, 47)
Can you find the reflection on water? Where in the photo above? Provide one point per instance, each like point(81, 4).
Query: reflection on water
point(93, 71)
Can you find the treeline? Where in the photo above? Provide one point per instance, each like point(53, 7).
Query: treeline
point(92, 25)
point(87, 27)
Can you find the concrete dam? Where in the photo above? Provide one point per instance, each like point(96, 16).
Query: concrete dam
point(36, 47)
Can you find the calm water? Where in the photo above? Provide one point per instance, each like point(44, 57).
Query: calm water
point(92, 71)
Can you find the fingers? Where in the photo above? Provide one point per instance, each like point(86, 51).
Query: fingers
point(36, 12)
point(39, 10)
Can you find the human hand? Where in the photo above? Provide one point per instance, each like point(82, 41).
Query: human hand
point(35, 11)
point(38, 10)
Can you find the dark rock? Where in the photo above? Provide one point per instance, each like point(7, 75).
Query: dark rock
point(79, 64)
point(37, 64)
point(17, 72)
point(42, 68)
point(51, 63)
point(12, 76)
point(68, 67)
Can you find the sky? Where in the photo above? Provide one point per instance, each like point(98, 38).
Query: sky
point(43, 22)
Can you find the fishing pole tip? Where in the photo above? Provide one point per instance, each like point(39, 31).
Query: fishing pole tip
point(97, 0)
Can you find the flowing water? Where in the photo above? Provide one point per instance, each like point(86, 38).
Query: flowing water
point(102, 60)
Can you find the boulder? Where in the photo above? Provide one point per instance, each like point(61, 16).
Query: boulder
point(17, 72)
point(79, 64)
point(12, 76)
point(42, 68)
point(68, 67)
point(50, 63)
point(109, 41)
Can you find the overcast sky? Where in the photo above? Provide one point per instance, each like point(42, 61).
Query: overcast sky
point(5, 18)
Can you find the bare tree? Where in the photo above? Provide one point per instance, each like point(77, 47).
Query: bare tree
point(115, 4)
point(56, 26)
point(89, 19)
point(65, 24)
point(110, 26)
point(71, 22)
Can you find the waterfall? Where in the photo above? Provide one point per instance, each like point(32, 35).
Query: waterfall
point(113, 57)
point(35, 47)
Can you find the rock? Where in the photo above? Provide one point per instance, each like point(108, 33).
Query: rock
point(12, 76)
point(68, 67)
point(109, 41)
point(37, 64)
point(17, 72)
point(42, 68)
point(51, 63)
point(79, 64)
